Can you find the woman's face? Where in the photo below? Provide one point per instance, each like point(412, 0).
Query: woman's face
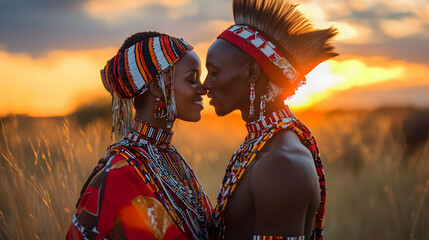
point(188, 89)
point(227, 79)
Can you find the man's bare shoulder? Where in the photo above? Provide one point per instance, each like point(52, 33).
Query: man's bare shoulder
point(284, 184)
point(285, 169)
point(287, 155)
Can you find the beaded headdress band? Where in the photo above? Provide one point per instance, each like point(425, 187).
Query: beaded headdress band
point(275, 65)
point(128, 73)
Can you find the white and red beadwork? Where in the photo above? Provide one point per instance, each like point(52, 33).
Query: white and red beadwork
point(257, 237)
point(252, 100)
point(272, 61)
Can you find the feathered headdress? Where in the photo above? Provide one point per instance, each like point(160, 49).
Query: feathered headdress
point(281, 39)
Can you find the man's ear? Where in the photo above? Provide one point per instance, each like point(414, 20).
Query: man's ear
point(155, 89)
point(254, 71)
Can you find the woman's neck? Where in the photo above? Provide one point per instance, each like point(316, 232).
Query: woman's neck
point(147, 115)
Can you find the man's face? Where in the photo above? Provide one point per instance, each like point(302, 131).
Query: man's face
point(227, 79)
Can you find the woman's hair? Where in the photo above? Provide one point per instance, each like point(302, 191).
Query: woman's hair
point(138, 37)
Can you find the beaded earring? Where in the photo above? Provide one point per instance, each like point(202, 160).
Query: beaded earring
point(262, 106)
point(252, 100)
point(159, 111)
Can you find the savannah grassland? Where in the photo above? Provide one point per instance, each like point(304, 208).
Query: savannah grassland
point(374, 192)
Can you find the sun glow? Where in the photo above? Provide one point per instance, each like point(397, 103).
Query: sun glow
point(60, 81)
point(333, 76)
point(319, 81)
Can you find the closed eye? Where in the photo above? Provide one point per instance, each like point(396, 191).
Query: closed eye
point(212, 72)
point(194, 78)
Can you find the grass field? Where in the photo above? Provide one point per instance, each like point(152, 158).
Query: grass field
point(374, 192)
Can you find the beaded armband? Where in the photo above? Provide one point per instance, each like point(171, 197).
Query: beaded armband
point(257, 237)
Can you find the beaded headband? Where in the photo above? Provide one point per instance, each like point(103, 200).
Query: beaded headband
point(129, 72)
point(272, 61)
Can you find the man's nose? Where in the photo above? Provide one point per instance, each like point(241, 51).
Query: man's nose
point(207, 85)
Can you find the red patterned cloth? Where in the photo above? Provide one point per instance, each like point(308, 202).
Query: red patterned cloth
point(146, 190)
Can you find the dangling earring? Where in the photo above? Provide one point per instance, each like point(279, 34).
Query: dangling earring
point(262, 107)
point(159, 111)
point(252, 100)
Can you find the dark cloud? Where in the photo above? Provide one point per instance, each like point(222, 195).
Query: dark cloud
point(40, 25)
point(39, 5)
point(407, 49)
point(413, 48)
point(35, 27)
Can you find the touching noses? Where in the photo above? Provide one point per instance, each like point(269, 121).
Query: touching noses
point(201, 90)
point(207, 85)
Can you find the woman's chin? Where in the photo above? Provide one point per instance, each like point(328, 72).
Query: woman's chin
point(191, 117)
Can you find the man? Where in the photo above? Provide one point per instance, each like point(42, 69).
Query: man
point(274, 185)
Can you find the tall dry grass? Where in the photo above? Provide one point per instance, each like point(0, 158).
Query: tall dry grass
point(373, 191)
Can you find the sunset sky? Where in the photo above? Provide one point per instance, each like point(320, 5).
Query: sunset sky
point(51, 51)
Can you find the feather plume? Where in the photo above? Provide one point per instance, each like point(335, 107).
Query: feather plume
point(288, 29)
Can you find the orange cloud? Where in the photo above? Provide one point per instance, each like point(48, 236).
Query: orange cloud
point(401, 27)
point(57, 83)
point(348, 32)
point(48, 86)
point(361, 5)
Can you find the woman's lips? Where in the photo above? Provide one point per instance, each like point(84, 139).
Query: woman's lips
point(199, 102)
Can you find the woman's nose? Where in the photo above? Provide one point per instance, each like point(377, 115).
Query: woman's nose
point(201, 90)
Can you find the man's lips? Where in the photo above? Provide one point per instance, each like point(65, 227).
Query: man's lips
point(211, 96)
point(211, 101)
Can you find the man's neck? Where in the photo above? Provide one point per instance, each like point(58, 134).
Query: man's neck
point(269, 108)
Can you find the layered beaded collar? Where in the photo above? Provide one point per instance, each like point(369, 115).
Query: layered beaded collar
point(149, 150)
point(260, 127)
point(143, 132)
point(259, 133)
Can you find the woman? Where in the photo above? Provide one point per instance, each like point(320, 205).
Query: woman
point(143, 188)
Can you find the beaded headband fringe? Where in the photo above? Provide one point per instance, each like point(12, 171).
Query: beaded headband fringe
point(122, 111)
point(127, 75)
point(275, 65)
